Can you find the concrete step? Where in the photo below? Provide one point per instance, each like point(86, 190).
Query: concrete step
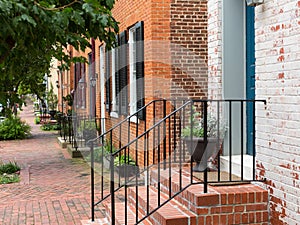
point(236, 163)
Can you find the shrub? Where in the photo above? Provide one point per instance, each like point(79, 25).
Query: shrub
point(50, 127)
point(8, 173)
point(9, 168)
point(9, 178)
point(13, 128)
point(37, 120)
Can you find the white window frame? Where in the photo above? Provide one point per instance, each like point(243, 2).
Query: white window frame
point(114, 112)
point(132, 73)
point(102, 86)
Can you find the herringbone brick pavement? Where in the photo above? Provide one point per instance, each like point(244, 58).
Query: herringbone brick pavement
point(54, 189)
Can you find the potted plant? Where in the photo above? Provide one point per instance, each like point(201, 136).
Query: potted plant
point(87, 129)
point(200, 151)
point(52, 102)
point(125, 166)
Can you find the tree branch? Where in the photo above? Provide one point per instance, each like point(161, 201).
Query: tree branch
point(57, 8)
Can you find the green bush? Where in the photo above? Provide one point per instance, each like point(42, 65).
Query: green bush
point(37, 120)
point(9, 168)
point(49, 127)
point(121, 160)
point(8, 173)
point(13, 128)
point(9, 178)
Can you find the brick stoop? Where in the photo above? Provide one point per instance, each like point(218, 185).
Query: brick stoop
point(222, 205)
point(236, 204)
point(120, 215)
point(172, 213)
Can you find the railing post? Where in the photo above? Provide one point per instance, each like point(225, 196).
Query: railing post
point(64, 127)
point(92, 182)
point(205, 145)
point(164, 133)
point(253, 142)
point(112, 190)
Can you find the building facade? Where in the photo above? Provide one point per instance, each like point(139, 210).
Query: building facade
point(206, 49)
point(259, 47)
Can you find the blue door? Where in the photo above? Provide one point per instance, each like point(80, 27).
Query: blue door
point(250, 76)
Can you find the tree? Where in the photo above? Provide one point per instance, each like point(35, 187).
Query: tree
point(33, 31)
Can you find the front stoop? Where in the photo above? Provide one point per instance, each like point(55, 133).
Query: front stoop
point(120, 215)
point(228, 205)
point(222, 205)
point(172, 213)
point(62, 143)
point(79, 153)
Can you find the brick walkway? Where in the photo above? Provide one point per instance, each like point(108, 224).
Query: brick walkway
point(54, 189)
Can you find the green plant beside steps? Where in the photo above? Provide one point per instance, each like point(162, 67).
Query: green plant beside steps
point(9, 173)
point(122, 160)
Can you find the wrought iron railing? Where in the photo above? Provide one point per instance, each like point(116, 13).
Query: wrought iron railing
point(77, 130)
point(168, 143)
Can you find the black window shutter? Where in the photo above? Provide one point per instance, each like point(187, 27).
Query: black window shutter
point(117, 82)
point(107, 82)
point(140, 86)
point(83, 70)
point(123, 92)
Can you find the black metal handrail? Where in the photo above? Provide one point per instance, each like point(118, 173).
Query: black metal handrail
point(122, 133)
point(77, 130)
point(162, 147)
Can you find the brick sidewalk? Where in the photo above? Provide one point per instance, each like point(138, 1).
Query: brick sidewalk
point(53, 189)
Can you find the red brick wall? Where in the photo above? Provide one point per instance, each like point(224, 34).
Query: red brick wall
point(189, 48)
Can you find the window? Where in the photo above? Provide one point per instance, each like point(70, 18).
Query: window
point(117, 69)
point(114, 111)
point(121, 77)
point(107, 79)
point(80, 85)
point(136, 69)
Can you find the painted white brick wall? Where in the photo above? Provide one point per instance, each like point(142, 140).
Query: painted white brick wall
point(214, 49)
point(277, 30)
point(278, 128)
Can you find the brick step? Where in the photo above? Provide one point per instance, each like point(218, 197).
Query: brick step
point(235, 204)
point(172, 213)
point(120, 215)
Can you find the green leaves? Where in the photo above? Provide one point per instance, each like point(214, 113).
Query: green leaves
point(32, 32)
point(29, 19)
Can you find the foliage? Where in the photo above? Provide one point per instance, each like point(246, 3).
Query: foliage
point(122, 160)
point(69, 99)
point(215, 127)
point(52, 99)
point(13, 128)
point(89, 125)
point(109, 148)
point(37, 120)
point(50, 127)
point(33, 32)
point(9, 178)
point(10, 167)
point(8, 173)
point(103, 150)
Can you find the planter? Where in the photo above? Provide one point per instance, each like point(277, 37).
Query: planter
point(52, 114)
point(89, 134)
point(127, 170)
point(200, 154)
